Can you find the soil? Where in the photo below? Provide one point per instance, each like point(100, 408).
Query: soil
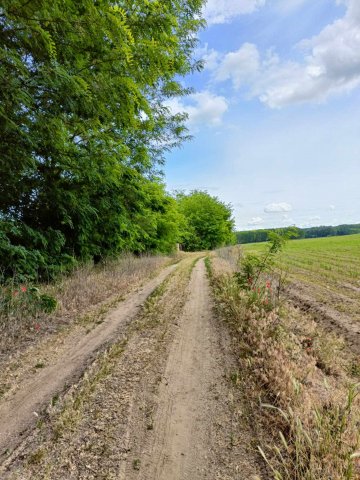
point(162, 403)
point(346, 325)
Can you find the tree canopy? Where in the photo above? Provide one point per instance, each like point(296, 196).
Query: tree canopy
point(84, 128)
point(209, 221)
point(256, 236)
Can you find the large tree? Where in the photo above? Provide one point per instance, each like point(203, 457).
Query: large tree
point(83, 125)
point(209, 221)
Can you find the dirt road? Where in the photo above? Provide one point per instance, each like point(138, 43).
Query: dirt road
point(162, 404)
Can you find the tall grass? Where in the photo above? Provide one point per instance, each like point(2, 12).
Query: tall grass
point(309, 410)
point(23, 320)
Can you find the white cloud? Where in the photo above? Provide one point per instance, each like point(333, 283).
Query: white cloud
point(255, 221)
point(331, 65)
point(223, 11)
point(204, 108)
point(241, 66)
point(287, 6)
point(210, 56)
point(278, 207)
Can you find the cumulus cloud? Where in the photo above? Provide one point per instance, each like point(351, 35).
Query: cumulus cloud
point(210, 56)
point(203, 108)
point(255, 221)
point(287, 6)
point(331, 65)
point(240, 67)
point(223, 11)
point(278, 207)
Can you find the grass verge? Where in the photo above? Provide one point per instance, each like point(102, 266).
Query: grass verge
point(297, 380)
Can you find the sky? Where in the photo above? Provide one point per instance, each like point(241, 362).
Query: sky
point(275, 114)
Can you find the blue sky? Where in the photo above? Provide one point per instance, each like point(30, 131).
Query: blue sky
point(276, 113)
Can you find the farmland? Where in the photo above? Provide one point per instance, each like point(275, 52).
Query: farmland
point(324, 276)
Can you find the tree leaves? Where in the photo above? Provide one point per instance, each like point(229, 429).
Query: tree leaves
point(82, 120)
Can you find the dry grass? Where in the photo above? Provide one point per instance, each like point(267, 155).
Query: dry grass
point(76, 295)
point(301, 385)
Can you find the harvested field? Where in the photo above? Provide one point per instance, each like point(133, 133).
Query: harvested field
point(324, 279)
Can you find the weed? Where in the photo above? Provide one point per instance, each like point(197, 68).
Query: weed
point(136, 464)
point(40, 365)
point(36, 457)
point(235, 378)
point(208, 266)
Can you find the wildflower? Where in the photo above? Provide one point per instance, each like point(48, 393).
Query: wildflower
point(268, 285)
point(37, 326)
point(23, 289)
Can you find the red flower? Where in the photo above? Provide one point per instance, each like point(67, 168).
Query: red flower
point(37, 326)
point(23, 289)
point(268, 285)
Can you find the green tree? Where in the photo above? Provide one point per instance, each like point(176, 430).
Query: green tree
point(209, 221)
point(83, 125)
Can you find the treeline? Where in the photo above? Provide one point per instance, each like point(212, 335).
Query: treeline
point(256, 236)
point(84, 128)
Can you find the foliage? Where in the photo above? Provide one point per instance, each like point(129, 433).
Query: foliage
point(26, 299)
point(209, 221)
point(253, 267)
point(84, 128)
point(255, 236)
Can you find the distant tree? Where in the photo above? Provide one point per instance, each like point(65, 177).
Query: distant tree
point(255, 236)
point(209, 221)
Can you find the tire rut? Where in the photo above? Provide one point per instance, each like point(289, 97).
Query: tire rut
point(19, 413)
point(198, 418)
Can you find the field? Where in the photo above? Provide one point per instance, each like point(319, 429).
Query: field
point(324, 276)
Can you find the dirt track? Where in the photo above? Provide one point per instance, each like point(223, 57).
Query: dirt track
point(195, 417)
point(161, 406)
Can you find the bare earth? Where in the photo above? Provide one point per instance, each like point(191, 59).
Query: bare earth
point(196, 414)
point(332, 319)
point(161, 404)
